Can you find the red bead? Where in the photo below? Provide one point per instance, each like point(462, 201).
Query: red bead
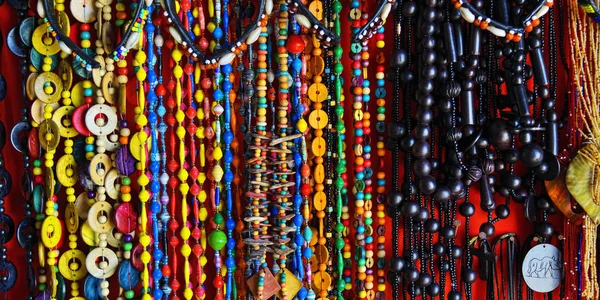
point(295, 44)
point(84, 27)
point(89, 100)
point(369, 247)
point(188, 69)
point(381, 68)
point(166, 271)
point(218, 297)
point(368, 189)
point(359, 139)
point(160, 90)
point(195, 189)
point(173, 182)
point(175, 285)
point(190, 112)
point(122, 71)
point(173, 241)
point(185, 5)
point(205, 83)
point(347, 272)
point(218, 282)
point(196, 233)
point(305, 189)
point(197, 250)
point(203, 43)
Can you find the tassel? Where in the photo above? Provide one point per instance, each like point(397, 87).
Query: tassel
point(591, 290)
point(571, 244)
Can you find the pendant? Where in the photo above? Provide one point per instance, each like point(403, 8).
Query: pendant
point(543, 268)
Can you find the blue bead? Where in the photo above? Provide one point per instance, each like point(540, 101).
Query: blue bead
point(360, 175)
point(151, 77)
point(360, 196)
point(297, 158)
point(297, 65)
point(218, 33)
point(229, 176)
point(89, 148)
point(360, 229)
point(369, 239)
point(366, 98)
point(161, 110)
point(230, 223)
point(154, 207)
point(358, 132)
point(298, 220)
point(152, 117)
point(85, 35)
point(366, 83)
point(354, 4)
point(299, 239)
point(367, 148)
point(307, 253)
point(228, 137)
point(157, 293)
point(227, 68)
point(227, 86)
point(149, 27)
point(88, 92)
point(231, 245)
point(154, 166)
point(157, 254)
point(218, 95)
point(297, 200)
point(356, 72)
point(230, 262)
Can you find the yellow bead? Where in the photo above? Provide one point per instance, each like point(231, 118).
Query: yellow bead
point(86, 44)
point(177, 71)
point(186, 250)
point(89, 139)
point(211, 27)
point(146, 297)
point(140, 56)
point(122, 63)
point(218, 153)
point(203, 214)
point(48, 89)
point(120, 7)
point(362, 294)
point(144, 196)
point(126, 197)
point(188, 294)
point(381, 287)
point(73, 245)
point(185, 233)
point(49, 164)
point(140, 74)
point(47, 115)
point(48, 60)
point(176, 55)
point(301, 125)
point(380, 44)
point(145, 240)
point(143, 180)
point(46, 68)
point(203, 260)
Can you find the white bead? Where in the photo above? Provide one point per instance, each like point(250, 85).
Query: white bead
point(105, 292)
point(159, 41)
point(102, 244)
point(103, 265)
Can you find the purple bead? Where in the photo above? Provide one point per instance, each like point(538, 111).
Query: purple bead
point(128, 238)
point(123, 123)
point(91, 194)
point(164, 199)
point(369, 271)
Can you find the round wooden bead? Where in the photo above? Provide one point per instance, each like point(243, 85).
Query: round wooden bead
point(71, 218)
point(66, 170)
point(72, 265)
point(100, 165)
point(106, 113)
point(99, 255)
point(100, 217)
point(51, 232)
point(57, 87)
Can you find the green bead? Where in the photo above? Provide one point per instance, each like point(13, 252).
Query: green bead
point(338, 51)
point(218, 218)
point(37, 163)
point(368, 221)
point(340, 169)
point(217, 240)
point(381, 109)
point(338, 68)
point(339, 227)
point(341, 284)
point(339, 110)
point(42, 286)
point(339, 126)
point(127, 246)
point(337, 6)
point(126, 181)
point(129, 294)
point(339, 243)
point(339, 182)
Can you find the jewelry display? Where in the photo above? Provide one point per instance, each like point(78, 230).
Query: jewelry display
point(299, 149)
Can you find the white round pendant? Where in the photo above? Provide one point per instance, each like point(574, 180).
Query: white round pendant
point(543, 268)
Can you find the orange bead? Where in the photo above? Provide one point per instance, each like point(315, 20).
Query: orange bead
point(535, 22)
point(484, 25)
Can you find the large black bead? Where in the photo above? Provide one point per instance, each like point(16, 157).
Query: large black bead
point(544, 229)
point(498, 133)
point(468, 275)
point(466, 209)
point(439, 248)
point(456, 187)
point(488, 229)
point(410, 208)
point(432, 225)
point(398, 58)
point(427, 185)
point(433, 290)
point(395, 198)
point(396, 130)
point(397, 264)
point(424, 280)
point(411, 274)
point(454, 295)
point(442, 194)
point(532, 154)
point(448, 232)
point(502, 211)
point(422, 167)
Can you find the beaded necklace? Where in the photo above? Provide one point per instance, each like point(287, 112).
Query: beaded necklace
point(139, 148)
point(7, 225)
point(380, 93)
point(26, 232)
point(359, 90)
